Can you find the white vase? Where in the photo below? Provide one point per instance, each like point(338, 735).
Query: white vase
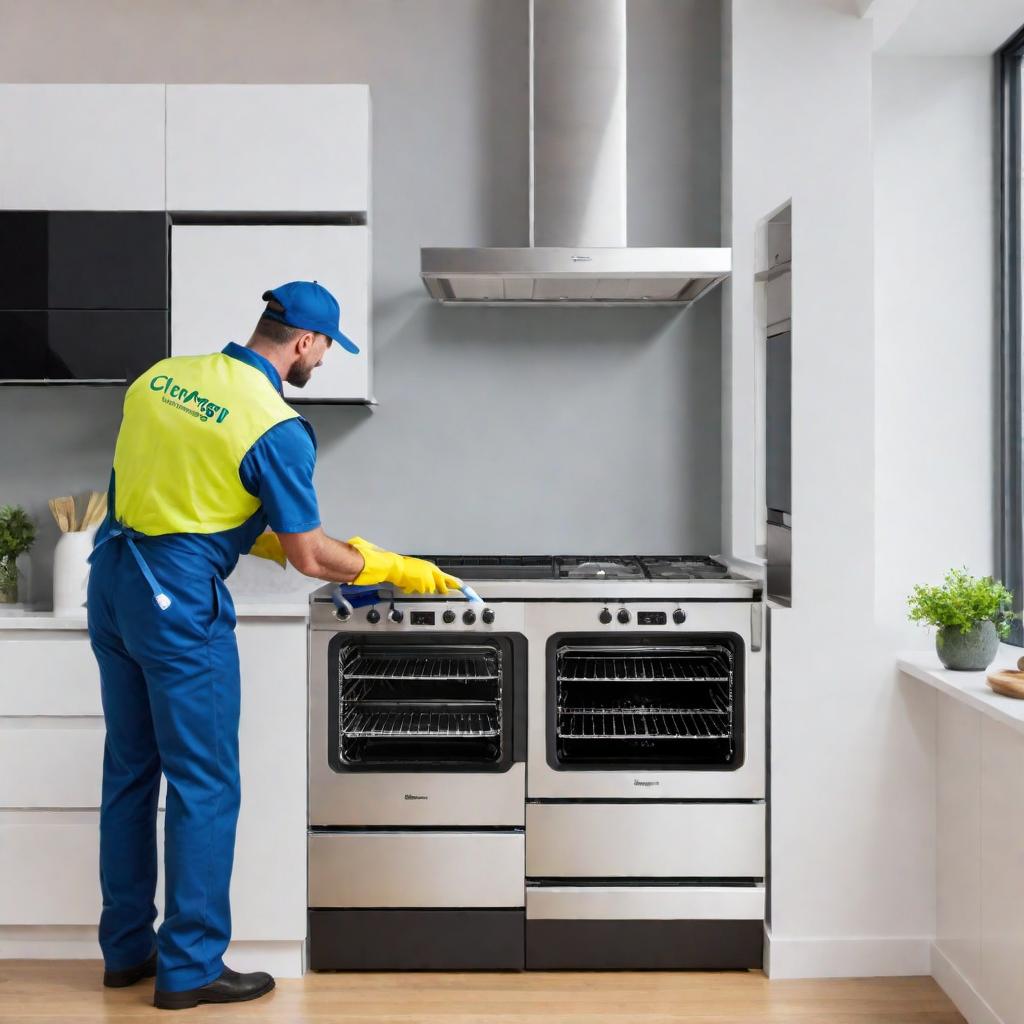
point(71, 571)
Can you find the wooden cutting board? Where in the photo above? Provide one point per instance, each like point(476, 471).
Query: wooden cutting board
point(1008, 682)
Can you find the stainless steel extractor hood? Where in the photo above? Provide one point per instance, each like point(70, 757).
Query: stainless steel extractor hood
point(577, 253)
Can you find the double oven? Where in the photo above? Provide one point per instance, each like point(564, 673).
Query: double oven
point(569, 775)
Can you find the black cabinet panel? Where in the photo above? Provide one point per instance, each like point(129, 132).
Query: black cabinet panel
point(78, 260)
point(107, 261)
point(81, 344)
point(23, 260)
point(23, 343)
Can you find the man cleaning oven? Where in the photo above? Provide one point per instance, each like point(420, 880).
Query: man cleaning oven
point(209, 455)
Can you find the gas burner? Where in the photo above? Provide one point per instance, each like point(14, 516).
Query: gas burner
point(599, 568)
point(684, 567)
point(496, 567)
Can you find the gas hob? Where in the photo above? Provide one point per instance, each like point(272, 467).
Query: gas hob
point(595, 577)
point(583, 567)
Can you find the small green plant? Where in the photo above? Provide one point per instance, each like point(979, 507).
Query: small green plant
point(17, 532)
point(962, 601)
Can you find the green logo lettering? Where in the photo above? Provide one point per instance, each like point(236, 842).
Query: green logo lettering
point(188, 400)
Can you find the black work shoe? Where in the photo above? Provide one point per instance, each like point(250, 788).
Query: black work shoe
point(130, 975)
point(230, 987)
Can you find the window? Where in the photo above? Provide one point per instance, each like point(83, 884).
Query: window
point(1011, 478)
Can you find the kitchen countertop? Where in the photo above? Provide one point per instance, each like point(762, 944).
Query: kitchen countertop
point(969, 688)
point(259, 589)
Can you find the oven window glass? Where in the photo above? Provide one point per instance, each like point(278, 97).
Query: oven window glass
point(638, 704)
point(419, 705)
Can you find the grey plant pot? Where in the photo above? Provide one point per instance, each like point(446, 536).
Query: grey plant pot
point(967, 652)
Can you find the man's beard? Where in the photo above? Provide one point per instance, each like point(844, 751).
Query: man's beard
point(299, 375)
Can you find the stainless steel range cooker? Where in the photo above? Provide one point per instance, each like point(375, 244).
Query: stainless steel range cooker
point(570, 775)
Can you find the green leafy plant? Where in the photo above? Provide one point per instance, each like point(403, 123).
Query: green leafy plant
point(962, 601)
point(17, 532)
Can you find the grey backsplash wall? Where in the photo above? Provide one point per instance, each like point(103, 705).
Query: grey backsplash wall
point(498, 430)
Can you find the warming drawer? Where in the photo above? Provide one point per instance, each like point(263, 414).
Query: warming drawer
point(665, 840)
point(416, 869)
point(647, 903)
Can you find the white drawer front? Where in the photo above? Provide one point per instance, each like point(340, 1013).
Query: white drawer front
point(49, 674)
point(49, 864)
point(52, 766)
point(645, 840)
point(637, 903)
point(416, 869)
point(53, 763)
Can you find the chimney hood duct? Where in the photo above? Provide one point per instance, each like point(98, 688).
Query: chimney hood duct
point(578, 253)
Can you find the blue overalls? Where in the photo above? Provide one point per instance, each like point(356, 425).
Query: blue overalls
point(171, 691)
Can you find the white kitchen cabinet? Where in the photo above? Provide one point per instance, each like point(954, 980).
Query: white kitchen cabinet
point(979, 934)
point(50, 770)
point(219, 272)
point(81, 147)
point(268, 885)
point(268, 147)
point(1002, 861)
point(51, 762)
point(44, 672)
point(49, 863)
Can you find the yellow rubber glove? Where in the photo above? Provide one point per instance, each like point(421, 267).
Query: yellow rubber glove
point(268, 546)
point(413, 575)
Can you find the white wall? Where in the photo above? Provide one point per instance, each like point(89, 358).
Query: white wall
point(935, 300)
point(852, 818)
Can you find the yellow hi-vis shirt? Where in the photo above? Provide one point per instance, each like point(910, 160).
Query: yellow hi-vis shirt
point(188, 423)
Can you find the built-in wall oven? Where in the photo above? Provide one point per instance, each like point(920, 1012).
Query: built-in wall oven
point(417, 746)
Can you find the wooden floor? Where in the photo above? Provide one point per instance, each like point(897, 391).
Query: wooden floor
point(69, 992)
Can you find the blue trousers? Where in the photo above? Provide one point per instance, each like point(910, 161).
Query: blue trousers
point(170, 687)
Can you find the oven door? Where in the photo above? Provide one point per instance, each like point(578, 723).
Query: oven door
point(646, 709)
point(416, 729)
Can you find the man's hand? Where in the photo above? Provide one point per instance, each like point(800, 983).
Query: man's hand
point(413, 575)
point(358, 561)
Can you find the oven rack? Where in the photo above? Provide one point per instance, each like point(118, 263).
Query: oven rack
point(444, 721)
point(641, 668)
point(718, 707)
point(382, 690)
point(469, 663)
point(656, 725)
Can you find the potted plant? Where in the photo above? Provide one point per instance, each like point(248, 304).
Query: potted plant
point(972, 615)
point(17, 533)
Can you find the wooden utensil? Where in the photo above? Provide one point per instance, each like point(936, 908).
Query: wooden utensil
point(1007, 681)
point(95, 510)
point(63, 510)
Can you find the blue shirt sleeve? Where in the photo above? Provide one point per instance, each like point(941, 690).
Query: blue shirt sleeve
point(278, 469)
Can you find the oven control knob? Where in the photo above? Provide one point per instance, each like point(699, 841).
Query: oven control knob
point(679, 616)
point(605, 616)
point(448, 616)
point(396, 615)
point(487, 615)
point(373, 616)
point(624, 615)
point(469, 616)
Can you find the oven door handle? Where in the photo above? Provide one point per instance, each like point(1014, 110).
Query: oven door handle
point(756, 625)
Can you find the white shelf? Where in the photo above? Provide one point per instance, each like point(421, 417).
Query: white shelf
point(969, 688)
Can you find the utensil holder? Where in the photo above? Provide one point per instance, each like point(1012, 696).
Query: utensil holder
point(71, 571)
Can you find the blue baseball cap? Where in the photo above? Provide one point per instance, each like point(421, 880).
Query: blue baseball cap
point(308, 306)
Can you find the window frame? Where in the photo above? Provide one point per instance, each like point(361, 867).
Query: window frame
point(1010, 482)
